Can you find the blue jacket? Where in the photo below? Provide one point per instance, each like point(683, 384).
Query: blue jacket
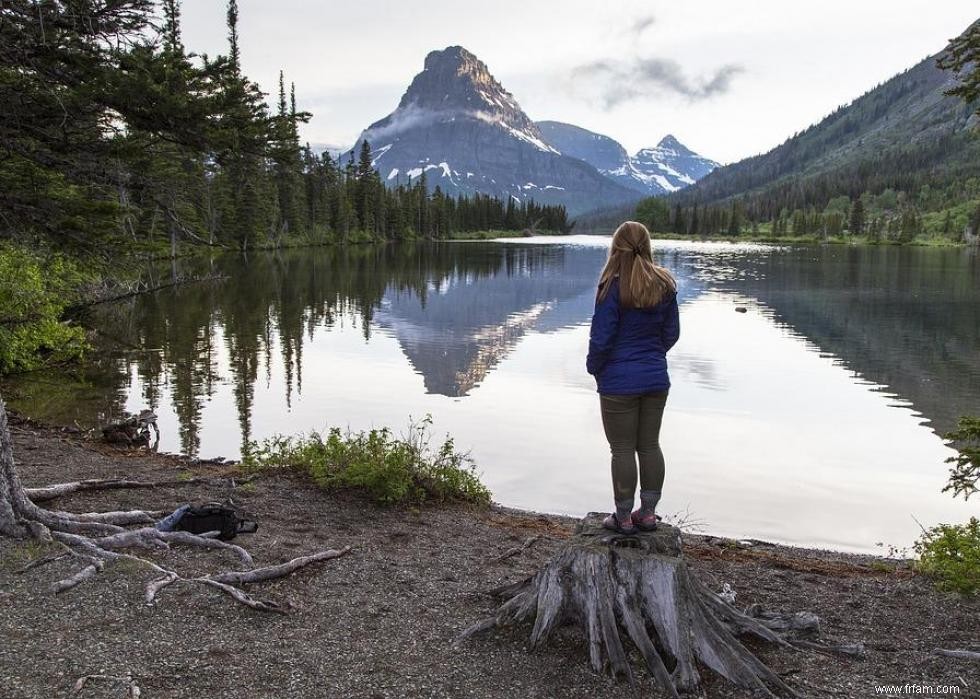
point(628, 346)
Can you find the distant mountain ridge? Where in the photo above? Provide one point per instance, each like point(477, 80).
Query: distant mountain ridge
point(667, 167)
point(903, 129)
point(458, 125)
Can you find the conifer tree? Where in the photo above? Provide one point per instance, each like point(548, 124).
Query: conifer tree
point(232, 21)
point(171, 26)
point(856, 224)
point(962, 57)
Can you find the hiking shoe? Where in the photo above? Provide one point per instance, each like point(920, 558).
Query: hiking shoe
point(623, 526)
point(645, 521)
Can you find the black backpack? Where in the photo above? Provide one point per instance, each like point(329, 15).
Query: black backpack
point(214, 517)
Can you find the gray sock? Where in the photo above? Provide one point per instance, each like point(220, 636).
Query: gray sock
point(649, 500)
point(624, 508)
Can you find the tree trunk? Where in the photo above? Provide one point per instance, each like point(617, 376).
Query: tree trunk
point(608, 584)
point(8, 482)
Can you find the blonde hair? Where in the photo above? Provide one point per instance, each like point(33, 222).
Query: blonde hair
point(642, 283)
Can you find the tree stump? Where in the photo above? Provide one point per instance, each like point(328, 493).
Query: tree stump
point(608, 583)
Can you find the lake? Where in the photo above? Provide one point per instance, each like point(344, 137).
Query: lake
point(813, 418)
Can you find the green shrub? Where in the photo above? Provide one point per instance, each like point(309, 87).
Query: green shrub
point(388, 468)
point(34, 292)
point(965, 474)
point(950, 554)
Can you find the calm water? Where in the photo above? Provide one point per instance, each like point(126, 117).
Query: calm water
point(811, 419)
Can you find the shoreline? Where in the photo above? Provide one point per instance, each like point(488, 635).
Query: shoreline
point(380, 621)
point(187, 462)
point(847, 241)
point(190, 251)
point(742, 542)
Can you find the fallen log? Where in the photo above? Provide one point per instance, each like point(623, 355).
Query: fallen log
point(639, 588)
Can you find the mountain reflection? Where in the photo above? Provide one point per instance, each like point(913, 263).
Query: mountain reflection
point(458, 333)
point(456, 311)
point(907, 319)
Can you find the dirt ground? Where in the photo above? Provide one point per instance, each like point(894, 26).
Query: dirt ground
point(380, 621)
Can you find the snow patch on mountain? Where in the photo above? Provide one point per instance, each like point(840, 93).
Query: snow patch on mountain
point(457, 125)
point(673, 163)
point(667, 167)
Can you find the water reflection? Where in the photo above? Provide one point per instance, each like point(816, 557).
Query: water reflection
point(904, 318)
point(814, 391)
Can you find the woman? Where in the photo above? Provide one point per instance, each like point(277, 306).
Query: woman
point(634, 326)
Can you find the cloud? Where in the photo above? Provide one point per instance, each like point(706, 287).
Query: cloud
point(398, 121)
point(619, 81)
point(641, 24)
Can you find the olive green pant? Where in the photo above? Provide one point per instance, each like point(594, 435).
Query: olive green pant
point(632, 426)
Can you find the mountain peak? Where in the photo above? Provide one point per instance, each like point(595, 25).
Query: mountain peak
point(457, 123)
point(455, 56)
point(671, 142)
point(665, 168)
point(454, 79)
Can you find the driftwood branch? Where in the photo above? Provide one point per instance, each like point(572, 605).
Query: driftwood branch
point(132, 689)
point(257, 575)
point(528, 543)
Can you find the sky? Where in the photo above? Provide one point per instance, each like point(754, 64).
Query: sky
point(729, 79)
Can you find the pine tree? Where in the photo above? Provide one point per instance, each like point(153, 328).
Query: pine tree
point(962, 57)
point(678, 223)
point(232, 21)
point(734, 221)
point(856, 224)
point(974, 224)
point(171, 26)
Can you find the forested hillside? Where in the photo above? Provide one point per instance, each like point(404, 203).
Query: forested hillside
point(901, 160)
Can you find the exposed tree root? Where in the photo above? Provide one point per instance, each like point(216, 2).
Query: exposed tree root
point(639, 588)
point(38, 562)
point(96, 539)
point(51, 492)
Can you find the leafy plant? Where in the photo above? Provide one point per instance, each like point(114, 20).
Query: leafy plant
point(388, 468)
point(34, 292)
point(965, 474)
point(950, 553)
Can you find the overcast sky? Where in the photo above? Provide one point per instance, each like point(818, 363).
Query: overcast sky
point(729, 79)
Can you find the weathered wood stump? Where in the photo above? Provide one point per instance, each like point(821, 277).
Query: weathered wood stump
point(607, 584)
point(134, 431)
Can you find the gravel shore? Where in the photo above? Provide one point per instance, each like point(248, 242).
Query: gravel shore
point(380, 621)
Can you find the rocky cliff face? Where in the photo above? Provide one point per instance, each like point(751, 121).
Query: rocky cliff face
point(667, 167)
point(467, 134)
